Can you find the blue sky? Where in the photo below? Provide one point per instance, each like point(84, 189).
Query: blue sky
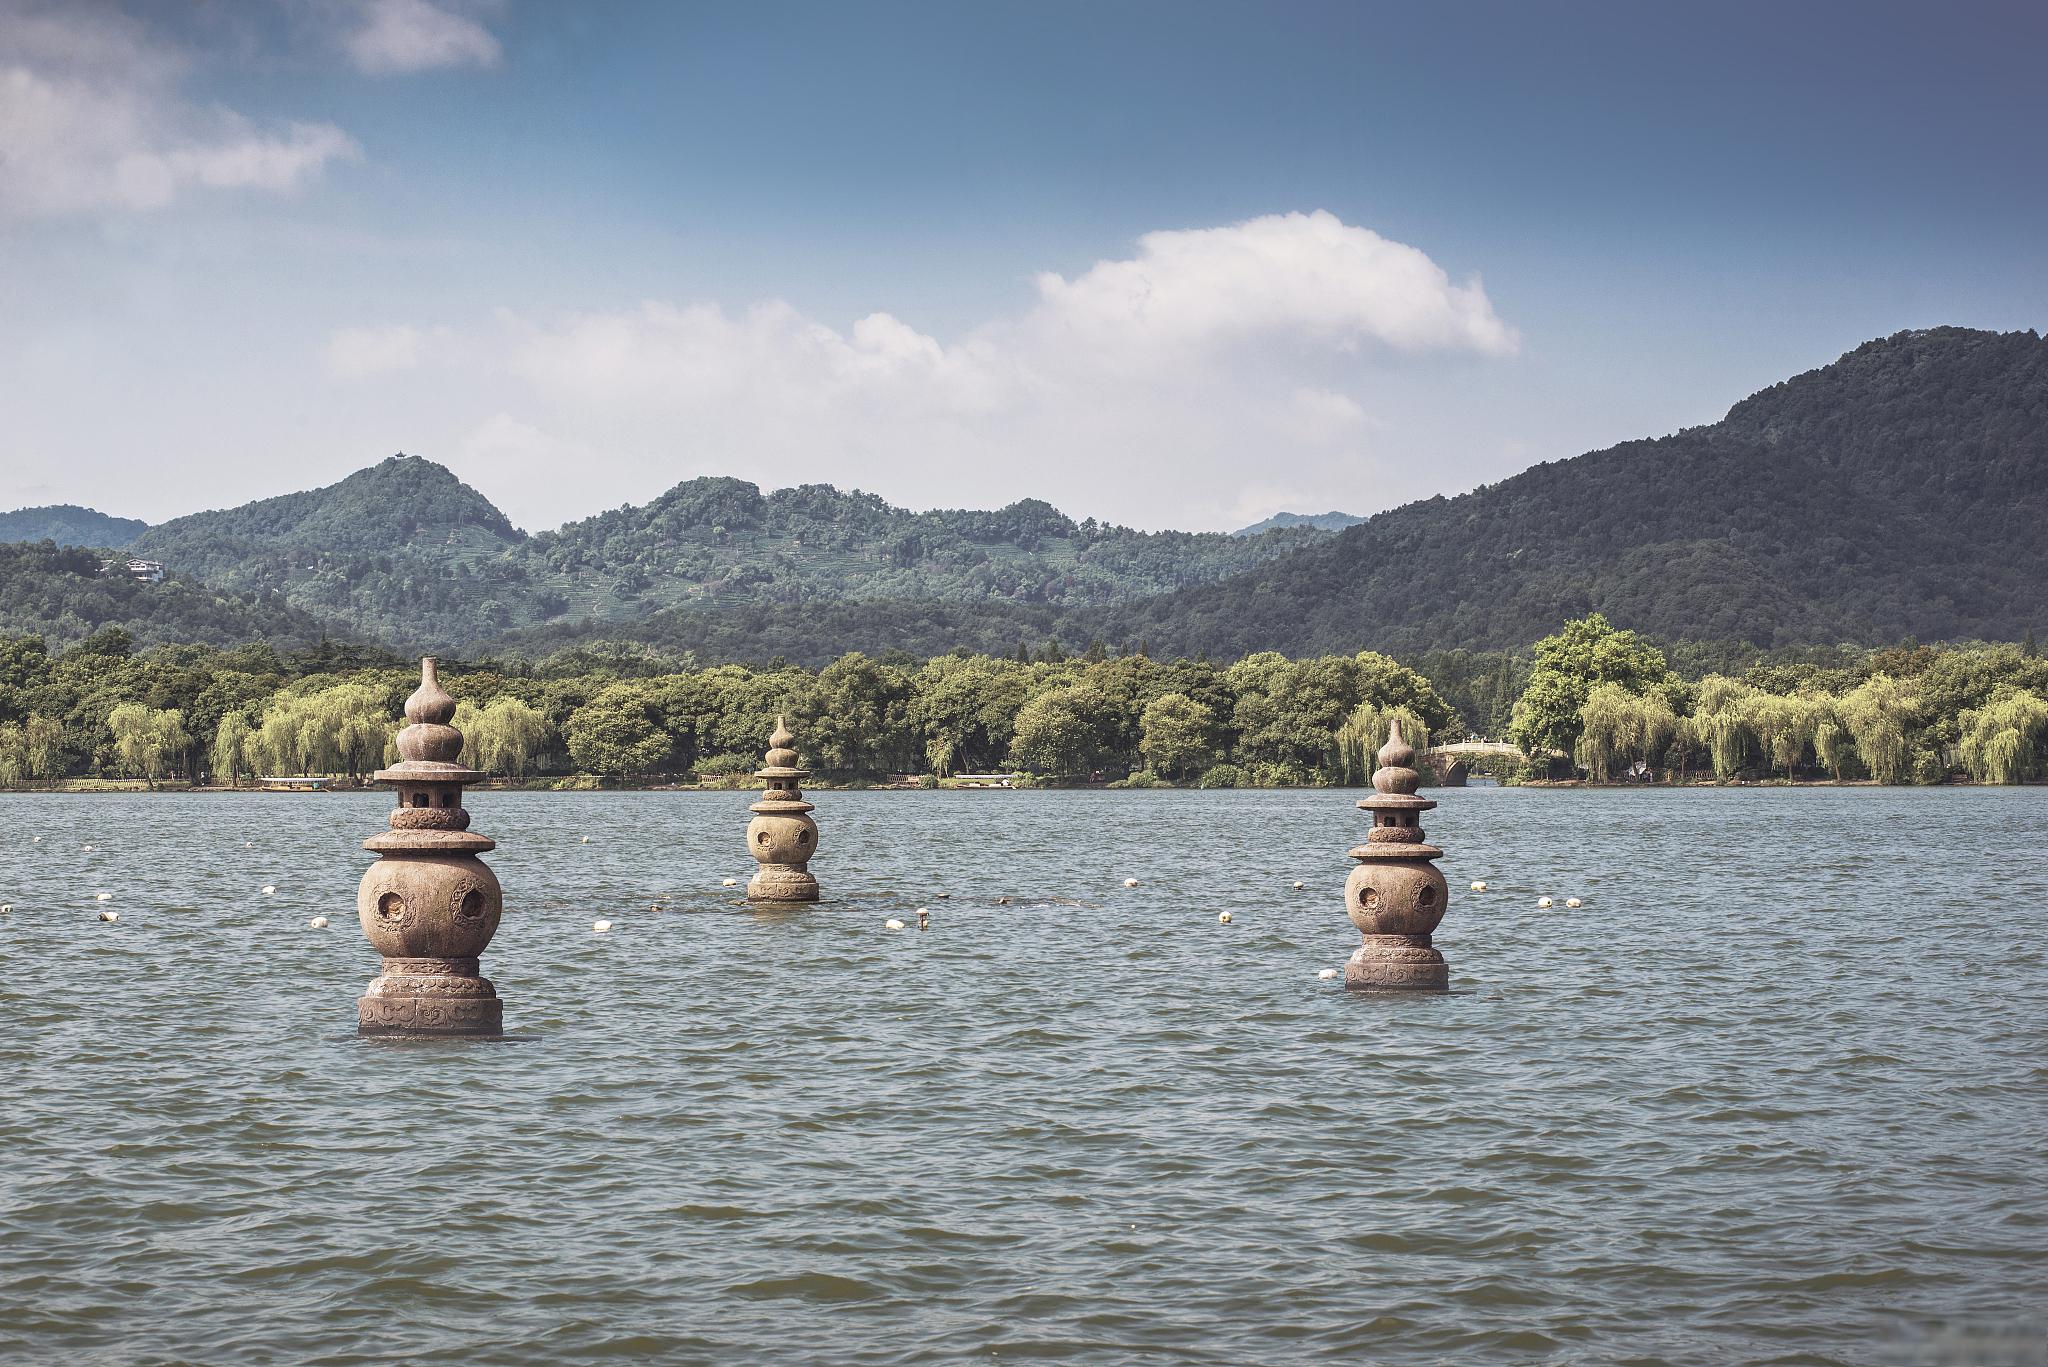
point(1171, 265)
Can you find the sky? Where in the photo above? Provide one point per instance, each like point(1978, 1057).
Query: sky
point(1167, 265)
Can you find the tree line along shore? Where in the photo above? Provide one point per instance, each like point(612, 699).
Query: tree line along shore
point(1590, 702)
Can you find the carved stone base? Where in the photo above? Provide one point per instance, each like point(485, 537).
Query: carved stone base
point(430, 997)
point(1397, 963)
point(430, 1016)
point(781, 883)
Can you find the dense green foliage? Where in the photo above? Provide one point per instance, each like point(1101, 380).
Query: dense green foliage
point(102, 709)
point(1905, 714)
point(59, 594)
point(1902, 714)
point(67, 524)
point(405, 547)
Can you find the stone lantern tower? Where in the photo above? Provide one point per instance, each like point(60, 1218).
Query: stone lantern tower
point(428, 904)
point(782, 836)
point(1396, 896)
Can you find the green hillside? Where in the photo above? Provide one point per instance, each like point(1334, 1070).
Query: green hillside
point(60, 594)
point(67, 524)
point(1901, 491)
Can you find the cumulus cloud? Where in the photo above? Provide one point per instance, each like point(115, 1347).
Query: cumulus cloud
point(93, 119)
point(398, 36)
point(1213, 369)
point(1308, 278)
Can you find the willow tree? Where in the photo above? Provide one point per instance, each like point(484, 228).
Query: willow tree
point(146, 738)
point(1721, 718)
point(1831, 741)
point(1784, 725)
point(232, 748)
point(43, 746)
point(1359, 739)
point(1610, 729)
point(343, 729)
point(1877, 712)
point(2002, 740)
point(510, 737)
point(13, 754)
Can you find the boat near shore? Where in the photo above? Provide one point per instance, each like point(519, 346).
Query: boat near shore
point(295, 783)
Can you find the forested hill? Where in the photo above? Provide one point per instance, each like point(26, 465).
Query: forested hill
point(67, 524)
point(404, 552)
point(60, 594)
point(1328, 522)
point(714, 540)
point(1901, 491)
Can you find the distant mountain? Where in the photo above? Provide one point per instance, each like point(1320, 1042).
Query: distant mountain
point(1323, 522)
point(1901, 491)
point(61, 594)
point(406, 553)
point(67, 524)
point(403, 553)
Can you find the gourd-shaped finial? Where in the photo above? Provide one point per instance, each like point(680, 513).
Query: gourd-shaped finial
point(780, 755)
point(1396, 773)
point(430, 739)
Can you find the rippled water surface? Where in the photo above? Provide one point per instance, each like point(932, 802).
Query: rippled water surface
point(1777, 1093)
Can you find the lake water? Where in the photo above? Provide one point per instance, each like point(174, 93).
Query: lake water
point(1777, 1093)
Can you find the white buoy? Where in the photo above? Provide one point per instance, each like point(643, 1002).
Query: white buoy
point(1327, 974)
point(317, 923)
point(110, 916)
point(586, 840)
point(1130, 882)
point(6, 908)
point(1224, 917)
point(38, 840)
point(1479, 886)
point(1574, 903)
point(924, 918)
point(654, 906)
point(1299, 885)
point(892, 924)
point(1543, 903)
point(88, 847)
point(103, 897)
point(600, 927)
point(270, 889)
point(248, 844)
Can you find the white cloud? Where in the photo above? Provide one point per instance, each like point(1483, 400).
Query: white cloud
point(398, 36)
point(1214, 370)
point(1307, 278)
point(92, 119)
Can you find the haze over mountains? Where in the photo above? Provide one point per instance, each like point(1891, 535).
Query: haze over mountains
point(1901, 491)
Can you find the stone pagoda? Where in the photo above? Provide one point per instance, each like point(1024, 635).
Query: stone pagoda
point(428, 904)
point(782, 836)
point(1396, 896)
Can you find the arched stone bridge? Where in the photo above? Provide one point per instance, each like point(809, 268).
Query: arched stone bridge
point(1452, 763)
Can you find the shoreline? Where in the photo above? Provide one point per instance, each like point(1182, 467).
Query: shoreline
point(592, 784)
